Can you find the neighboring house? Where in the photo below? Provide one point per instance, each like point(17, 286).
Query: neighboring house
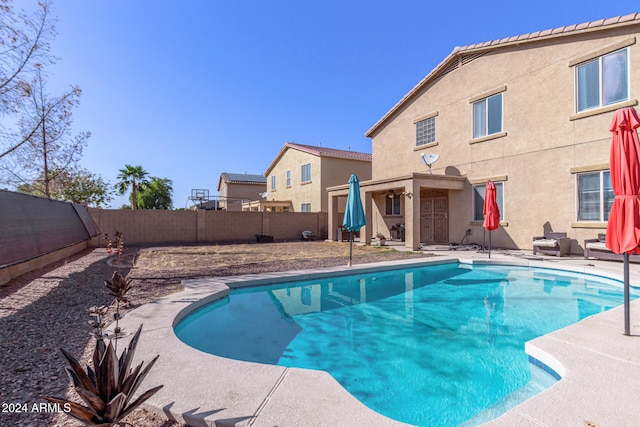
point(299, 175)
point(236, 188)
point(531, 113)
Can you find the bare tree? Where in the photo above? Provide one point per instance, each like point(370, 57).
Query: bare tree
point(45, 125)
point(24, 49)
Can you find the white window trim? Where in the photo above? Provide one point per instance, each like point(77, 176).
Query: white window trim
point(485, 96)
point(302, 180)
point(601, 219)
point(496, 180)
point(601, 108)
point(387, 198)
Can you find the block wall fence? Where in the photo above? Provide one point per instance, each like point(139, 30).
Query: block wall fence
point(157, 227)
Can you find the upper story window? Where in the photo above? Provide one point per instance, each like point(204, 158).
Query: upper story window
point(602, 81)
point(426, 131)
point(392, 205)
point(288, 178)
point(595, 195)
point(273, 182)
point(306, 173)
point(487, 116)
point(478, 200)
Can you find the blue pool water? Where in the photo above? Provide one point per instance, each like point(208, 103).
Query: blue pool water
point(441, 345)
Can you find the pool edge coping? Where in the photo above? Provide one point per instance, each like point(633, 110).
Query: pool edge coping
point(195, 296)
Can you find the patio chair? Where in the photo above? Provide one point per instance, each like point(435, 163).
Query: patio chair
point(597, 248)
point(552, 243)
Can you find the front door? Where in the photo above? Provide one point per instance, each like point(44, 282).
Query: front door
point(434, 222)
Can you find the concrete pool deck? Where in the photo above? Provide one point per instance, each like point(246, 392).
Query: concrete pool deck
point(600, 366)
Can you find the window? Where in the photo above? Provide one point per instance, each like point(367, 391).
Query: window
point(478, 200)
point(288, 178)
point(602, 81)
point(426, 131)
point(306, 173)
point(305, 207)
point(273, 182)
point(487, 116)
point(392, 205)
point(595, 196)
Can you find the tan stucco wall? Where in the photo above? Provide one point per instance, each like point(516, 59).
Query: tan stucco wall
point(543, 139)
point(145, 226)
point(325, 172)
point(337, 172)
point(232, 194)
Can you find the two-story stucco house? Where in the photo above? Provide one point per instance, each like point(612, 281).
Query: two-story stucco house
point(529, 112)
point(299, 175)
point(236, 188)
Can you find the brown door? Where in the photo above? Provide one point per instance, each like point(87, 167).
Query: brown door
point(434, 221)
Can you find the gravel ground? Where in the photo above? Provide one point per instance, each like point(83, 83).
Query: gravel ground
point(47, 309)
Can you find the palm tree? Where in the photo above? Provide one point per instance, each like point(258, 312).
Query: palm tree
point(134, 177)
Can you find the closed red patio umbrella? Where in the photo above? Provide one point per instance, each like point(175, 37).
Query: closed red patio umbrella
point(490, 210)
point(623, 227)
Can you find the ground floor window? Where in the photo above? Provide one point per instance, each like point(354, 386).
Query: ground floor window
point(392, 204)
point(478, 200)
point(305, 207)
point(595, 196)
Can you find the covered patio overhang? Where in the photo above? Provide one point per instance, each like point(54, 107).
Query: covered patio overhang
point(267, 205)
point(408, 185)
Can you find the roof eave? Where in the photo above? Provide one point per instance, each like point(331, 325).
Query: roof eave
point(570, 30)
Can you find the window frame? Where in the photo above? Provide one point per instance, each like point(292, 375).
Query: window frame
point(305, 207)
point(288, 178)
point(273, 182)
point(601, 82)
point(499, 198)
point(302, 173)
point(428, 134)
point(390, 205)
point(487, 117)
point(604, 205)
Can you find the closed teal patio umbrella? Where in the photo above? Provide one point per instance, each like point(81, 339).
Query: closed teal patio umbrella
point(354, 218)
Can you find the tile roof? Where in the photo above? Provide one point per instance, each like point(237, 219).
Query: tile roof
point(321, 152)
point(477, 49)
point(329, 152)
point(567, 29)
point(243, 178)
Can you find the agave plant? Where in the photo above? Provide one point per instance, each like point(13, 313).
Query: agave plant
point(118, 287)
point(109, 387)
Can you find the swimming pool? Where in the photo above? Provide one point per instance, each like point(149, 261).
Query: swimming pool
point(437, 345)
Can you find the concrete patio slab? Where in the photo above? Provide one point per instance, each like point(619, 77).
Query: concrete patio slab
point(600, 366)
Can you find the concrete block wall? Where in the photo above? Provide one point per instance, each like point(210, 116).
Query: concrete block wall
point(143, 227)
point(146, 226)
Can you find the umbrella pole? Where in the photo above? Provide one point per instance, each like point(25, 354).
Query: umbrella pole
point(350, 247)
point(626, 294)
point(489, 243)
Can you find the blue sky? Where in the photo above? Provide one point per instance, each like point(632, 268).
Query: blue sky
point(190, 89)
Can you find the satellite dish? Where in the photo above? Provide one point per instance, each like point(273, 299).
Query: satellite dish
point(429, 159)
point(264, 195)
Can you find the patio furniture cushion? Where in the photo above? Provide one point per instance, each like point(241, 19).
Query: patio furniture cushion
point(601, 246)
point(552, 243)
point(548, 243)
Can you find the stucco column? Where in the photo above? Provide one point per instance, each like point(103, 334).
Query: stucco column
point(412, 216)
point(333, 221)
point(366, 231)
